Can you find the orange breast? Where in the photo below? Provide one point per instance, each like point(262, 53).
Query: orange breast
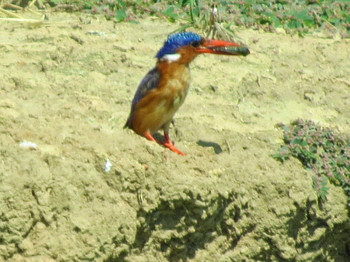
point(158, 107)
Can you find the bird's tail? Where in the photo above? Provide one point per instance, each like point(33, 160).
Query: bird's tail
point(128, 123)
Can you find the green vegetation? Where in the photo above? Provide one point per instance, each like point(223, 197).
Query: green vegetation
point(319, 149)
point(294, 16)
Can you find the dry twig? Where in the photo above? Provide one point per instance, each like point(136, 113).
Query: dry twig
point(12, 16)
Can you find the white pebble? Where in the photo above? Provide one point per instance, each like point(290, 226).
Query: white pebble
point(28, 144)
point(108, 165)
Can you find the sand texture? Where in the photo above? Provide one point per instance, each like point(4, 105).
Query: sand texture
point(66, 87)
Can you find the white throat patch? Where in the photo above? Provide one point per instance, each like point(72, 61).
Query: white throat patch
point(171, 57)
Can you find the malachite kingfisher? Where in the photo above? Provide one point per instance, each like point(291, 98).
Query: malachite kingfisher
point(163, 90)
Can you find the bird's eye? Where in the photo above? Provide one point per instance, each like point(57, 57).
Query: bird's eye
point(195, 43)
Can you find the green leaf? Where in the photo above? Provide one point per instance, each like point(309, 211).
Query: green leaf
point(121, 3)
point(299, 141)
point(170, 14)
point(293, 24)
point(303, 15)
point(121, 15)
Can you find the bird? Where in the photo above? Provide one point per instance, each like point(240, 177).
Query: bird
point(164, 88)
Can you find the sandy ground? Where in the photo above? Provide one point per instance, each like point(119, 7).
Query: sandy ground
point(67, 86)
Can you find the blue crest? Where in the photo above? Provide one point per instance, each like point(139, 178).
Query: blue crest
point(175, 41)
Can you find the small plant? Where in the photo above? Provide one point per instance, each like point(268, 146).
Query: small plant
point(293, 16)
point(319, 149)
point(210, 17)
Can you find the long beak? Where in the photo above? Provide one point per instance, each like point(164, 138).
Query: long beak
point(222, 48)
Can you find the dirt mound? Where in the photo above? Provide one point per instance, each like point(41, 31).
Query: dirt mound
point(66, 88)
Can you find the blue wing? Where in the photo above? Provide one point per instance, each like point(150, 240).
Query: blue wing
point(149, 82)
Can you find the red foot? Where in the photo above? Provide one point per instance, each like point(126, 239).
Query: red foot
point(171, 146)
point(167, 143)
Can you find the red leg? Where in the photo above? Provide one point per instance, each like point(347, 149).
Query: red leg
point(170, 145)
point(149, 137)
point(167, 142)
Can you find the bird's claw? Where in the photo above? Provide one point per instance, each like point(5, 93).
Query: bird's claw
point(167, 143)
point(172, 147)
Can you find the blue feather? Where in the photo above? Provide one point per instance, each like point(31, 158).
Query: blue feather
point(175, 41)
point(149, 82)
